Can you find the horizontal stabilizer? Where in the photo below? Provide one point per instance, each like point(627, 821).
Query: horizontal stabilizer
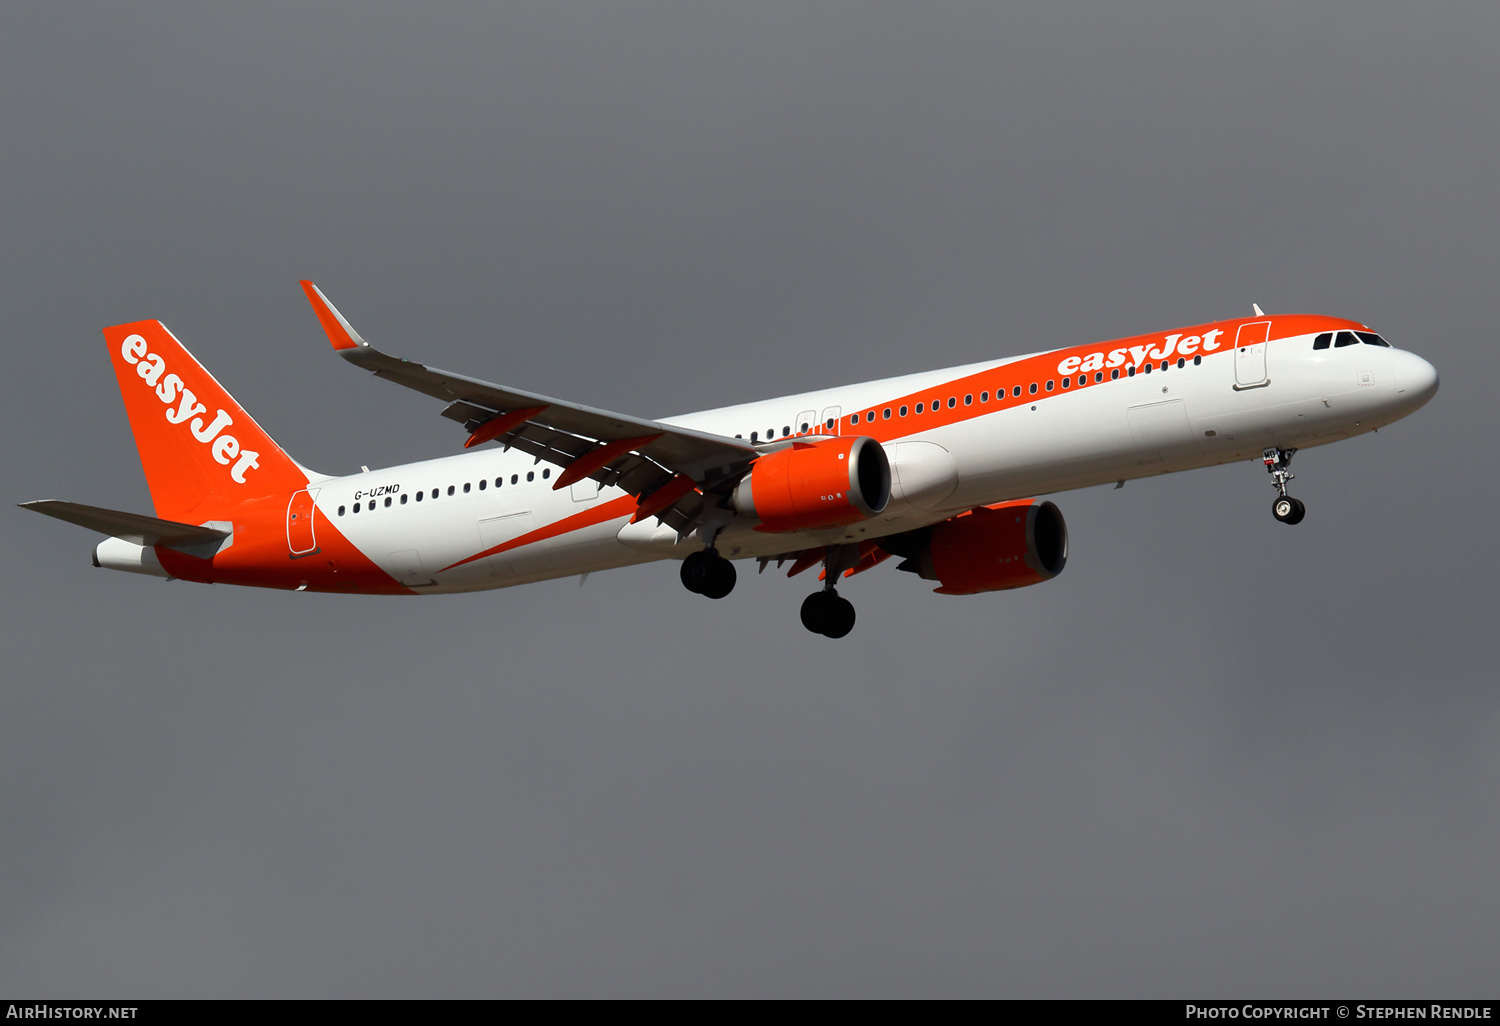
point(131, 527)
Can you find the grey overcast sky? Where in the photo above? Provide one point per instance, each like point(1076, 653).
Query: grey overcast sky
point(1217, 756)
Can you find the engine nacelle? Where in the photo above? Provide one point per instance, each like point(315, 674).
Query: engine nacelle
point(992, 548)
point(816, 484)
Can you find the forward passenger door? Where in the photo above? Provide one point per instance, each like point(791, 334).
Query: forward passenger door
point(1250, 355)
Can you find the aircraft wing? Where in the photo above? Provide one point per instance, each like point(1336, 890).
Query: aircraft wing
point(669, 469)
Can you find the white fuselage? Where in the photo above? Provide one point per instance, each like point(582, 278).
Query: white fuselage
point(1201, 414)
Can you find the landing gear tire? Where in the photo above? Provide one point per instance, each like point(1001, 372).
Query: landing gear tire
point(828, 614)
point(1288, 510)
point(708, 573)
point(721, 580)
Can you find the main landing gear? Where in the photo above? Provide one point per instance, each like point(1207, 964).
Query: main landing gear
point(1278, 462)
point(708, 573)
point(826, 612)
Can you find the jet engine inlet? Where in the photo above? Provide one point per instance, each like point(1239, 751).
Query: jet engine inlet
point(816, 484)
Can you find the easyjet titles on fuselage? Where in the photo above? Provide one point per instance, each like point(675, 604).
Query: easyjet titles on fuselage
point(1171, 345)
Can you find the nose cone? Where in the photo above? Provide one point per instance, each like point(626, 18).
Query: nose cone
point(1416, 379)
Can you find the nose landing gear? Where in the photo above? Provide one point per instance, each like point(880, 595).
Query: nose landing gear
point(708, 573)
point(1278, 463)
point(1288, 510)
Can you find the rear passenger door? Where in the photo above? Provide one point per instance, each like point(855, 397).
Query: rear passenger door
point(299, 525)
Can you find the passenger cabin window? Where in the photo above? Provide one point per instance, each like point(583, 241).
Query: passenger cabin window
point(1369, 338)
point(1323, 341)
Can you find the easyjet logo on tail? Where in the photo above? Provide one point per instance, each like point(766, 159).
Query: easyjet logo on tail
point(1171, 345)
point(182, 406)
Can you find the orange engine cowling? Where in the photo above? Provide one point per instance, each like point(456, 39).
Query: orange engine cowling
point(1007, 545)
point(816, 484)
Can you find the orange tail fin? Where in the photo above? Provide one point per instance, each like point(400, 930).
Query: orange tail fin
point(202, 453)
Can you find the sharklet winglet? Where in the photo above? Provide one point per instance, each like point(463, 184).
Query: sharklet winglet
point(340, 332)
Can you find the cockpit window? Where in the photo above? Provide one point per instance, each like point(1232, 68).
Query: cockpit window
point(1369, 338)
point(1346, 338)
point(1322, 341)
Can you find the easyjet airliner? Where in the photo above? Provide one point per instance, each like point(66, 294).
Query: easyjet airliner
point(938, 470)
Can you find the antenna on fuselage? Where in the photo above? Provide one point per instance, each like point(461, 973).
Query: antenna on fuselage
point(1258, 311)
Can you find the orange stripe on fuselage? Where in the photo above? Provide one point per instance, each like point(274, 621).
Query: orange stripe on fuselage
point(260, 557)
point(1002, 380)
point(623, 506)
